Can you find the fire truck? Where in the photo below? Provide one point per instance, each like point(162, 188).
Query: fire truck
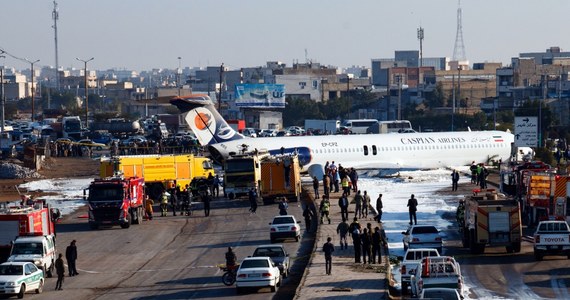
point(22, 221)
point(489, 219)
point(242, 172)
point(280, 177)
point(514, 177)
point(115, 201)
point(547, 196)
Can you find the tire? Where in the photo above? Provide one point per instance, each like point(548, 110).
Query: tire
point(297, 238)
point(228, 279)
point(517, 247)
point(50, 270)
point(274, 288)
point(40, 288)
point(127, 224)
point(22, 291)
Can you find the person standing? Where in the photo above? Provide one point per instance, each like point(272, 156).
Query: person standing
point(252, 200)
point(454, 180)
point(412, 208)
point(328, 249)
point(283, 206)
point(308, 215)
point(325, 209)
point(343, 204)
point(206, 199)
point(344, 184)
point(326, 185)
point(316, 187)
point(342, 230)
point(354, 229)
point(366, 242)
point(174, 200)
point(379, 207)
point(216, 186)
point(60, 271)
point(71, 256)
point(376, 244)
point(148, 203)
point(358, 203)
point(365, 204)
point(353, 179)
point(164, 204)
point(473, 169)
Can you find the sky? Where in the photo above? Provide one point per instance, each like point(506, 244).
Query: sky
point(143, 34)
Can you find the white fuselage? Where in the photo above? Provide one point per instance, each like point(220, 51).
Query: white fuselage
point(388, 151)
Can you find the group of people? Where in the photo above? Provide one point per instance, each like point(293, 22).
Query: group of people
point(367, 242)
point(71, 257)
point(334, 178)
point(479, 174)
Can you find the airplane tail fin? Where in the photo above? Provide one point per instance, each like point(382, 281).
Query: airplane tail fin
point(204, 120)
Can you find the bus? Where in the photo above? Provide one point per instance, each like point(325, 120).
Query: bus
point(394, 126)
point(359, 126)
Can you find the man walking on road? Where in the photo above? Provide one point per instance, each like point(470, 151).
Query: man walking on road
point(379, 207)
point(316, 187)
point(60, 271)
point(365, 204)
point(358, 202)
point(412, 208)
point(252, 200)
point(71, 256)
point(328, 249)
point(342, 230)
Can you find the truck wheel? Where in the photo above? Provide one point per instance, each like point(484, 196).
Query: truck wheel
point(517, 247)
point(127, 224)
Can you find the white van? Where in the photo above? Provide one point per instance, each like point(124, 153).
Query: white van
point(39, 250)
point(359, 126)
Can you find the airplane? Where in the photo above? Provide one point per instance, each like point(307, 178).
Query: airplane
point(418, 150)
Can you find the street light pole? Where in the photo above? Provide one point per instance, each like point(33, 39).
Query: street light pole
point(33, 87)
point(2, 97)
point(86, 89)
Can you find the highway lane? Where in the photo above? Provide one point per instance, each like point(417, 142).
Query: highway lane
point(168, 257)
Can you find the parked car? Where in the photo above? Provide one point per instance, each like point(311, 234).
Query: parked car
point(282, 133)
point(284, 227)
point(422, 236)
point(249, 132)
point(17, 278)
point(268, 133)
point(440, 293)
point(257, 272)
point(278, 255)
point(87, 143)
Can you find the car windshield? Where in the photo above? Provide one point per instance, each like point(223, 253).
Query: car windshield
point(283, 220)
point(271, 252)
point(11, 270)
point(424, 229)
point(105, 193)
point(254, 263)
point(27, 248)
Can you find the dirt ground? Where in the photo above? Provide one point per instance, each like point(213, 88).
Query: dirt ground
point(59, 167)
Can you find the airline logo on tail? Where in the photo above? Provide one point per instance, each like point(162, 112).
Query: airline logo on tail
point(209, 127)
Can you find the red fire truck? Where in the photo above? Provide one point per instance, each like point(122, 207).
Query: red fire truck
point(21, 221)
point(115, 201)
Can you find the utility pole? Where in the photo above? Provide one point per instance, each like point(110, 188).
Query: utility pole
point(348, 94)
point(3, 98)
point(86, 89)
point(221, 84)
point(33, 86)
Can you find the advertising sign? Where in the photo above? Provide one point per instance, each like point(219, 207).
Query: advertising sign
point(526, 131)
point(260, 95)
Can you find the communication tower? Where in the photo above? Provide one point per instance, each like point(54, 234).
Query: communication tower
point(55, 17)
point(459, 48)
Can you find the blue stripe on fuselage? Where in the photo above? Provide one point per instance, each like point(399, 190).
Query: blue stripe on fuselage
point(303, 152)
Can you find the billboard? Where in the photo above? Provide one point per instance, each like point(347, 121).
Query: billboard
point(260, 95)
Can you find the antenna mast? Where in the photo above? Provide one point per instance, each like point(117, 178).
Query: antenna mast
point(55, 17)
point(459, 48)
point(421, 38)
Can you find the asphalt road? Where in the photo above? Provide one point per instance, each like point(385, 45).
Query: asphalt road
point(170, 257)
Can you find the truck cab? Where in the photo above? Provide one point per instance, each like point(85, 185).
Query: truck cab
point(39, 250)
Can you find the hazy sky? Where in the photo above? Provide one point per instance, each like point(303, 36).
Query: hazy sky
point(143, 34)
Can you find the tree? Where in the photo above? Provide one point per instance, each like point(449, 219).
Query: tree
point(435, 98)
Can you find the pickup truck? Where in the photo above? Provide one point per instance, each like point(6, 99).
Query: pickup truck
point(552, 238)
point(410, 261)
point(436, 272)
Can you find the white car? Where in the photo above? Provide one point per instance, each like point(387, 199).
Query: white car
point(422, 236)
point(284, 227)
point(17, 278)
point(258, 271)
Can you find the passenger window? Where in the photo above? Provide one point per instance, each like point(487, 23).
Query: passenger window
point(365, 150)
point(374, 150)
